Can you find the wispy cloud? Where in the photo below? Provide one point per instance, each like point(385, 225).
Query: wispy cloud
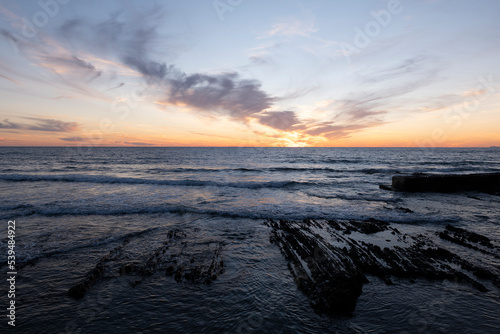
point(404, 69)
point(70, 64)
point(129, 40)
point(10, 79)
point(332, 131)
point(133, 44)
point(40, 124)
point(73, 139)
point(137, 143)
point(70, 71)
point(292, 27)
point(121, 84)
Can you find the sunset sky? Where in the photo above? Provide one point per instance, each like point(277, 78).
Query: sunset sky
point(250, 73)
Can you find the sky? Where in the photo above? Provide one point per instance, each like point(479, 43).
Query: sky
point(390, 73)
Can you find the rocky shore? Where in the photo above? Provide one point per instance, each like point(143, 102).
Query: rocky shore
point(331, 260)
point(177, 257)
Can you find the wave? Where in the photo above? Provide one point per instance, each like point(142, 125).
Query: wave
point(273, 169)
point(290, 213)
point(355, 198)
point(130, 180)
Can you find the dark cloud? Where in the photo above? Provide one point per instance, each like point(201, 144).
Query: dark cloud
point(222, 93)
point(131, 36)
point(133, 41)
point(73, 139)
point(9, 125)
point(41, 124)
point(281, 120)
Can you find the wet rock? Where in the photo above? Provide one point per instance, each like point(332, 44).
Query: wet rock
point(330, 263)
point(325, 274)
point(79, 290)
point(187, 262)
point(469, 236)
point(469, 239)
point(420, 182)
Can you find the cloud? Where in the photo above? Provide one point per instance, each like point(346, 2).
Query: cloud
point(70, 64)
point(281, 120)
point(291, 27)
point(10, 79)
point(69, 70)
point(441, 102)
point(129, 39)
point(332, 130)
point(60, 97)
point(446, 101)
point(261, 59)
point(131, 36)
point(222, 93)
point(261, 55)
point(225, 93)
point(41, 124)
point(406, 68)
point(474, 92)
point(362, 105)
point(137, 143)
point(9, 125)
point(73, 139)
point(121, 84)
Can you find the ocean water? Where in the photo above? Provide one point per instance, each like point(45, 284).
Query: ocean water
point(72, 206)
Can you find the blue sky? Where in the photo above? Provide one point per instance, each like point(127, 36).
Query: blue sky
point(250, 73)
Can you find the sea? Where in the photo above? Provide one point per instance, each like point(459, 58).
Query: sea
point(73, 205)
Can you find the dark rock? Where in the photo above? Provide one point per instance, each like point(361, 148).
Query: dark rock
point(468, 239)
point(405, 210)
point(330, 280)
point(446, 182)
point(332, 276)
point(187, 262)
point(79, 290)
